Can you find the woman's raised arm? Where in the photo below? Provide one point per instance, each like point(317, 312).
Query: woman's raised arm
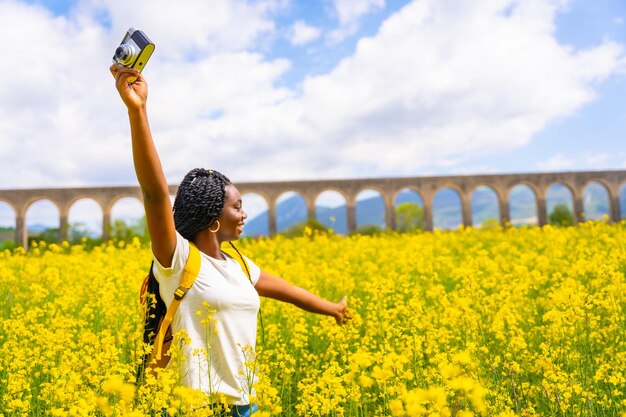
point(156, 198)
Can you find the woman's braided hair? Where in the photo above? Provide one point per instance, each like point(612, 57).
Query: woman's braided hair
point(199, 201)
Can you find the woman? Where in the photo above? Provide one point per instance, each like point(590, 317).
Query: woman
point(207, 211)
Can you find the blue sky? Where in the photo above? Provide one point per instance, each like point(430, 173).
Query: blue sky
point(284, 89)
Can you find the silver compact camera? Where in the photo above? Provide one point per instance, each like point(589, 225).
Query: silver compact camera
point(134, 51)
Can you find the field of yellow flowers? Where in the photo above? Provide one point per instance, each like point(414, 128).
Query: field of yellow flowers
point(514, 322)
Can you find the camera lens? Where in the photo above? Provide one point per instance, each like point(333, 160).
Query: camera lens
point(124, 54)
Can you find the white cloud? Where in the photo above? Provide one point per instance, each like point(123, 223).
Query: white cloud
point(599, 160)
point(585, 161)
point(7, 215)
point(351, 10)
point(349, 13)
point(558, 162)
point(441, 82)
point(330, 199)
point(127, 209)
point(300, 33)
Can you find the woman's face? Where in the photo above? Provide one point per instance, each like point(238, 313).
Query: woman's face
point(232, 217)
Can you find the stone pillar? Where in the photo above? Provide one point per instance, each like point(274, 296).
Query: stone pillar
point(310, 206)
point(21, 234)
point(271, 217)
point(351, 216)
point(503, 205)
point(466, 209)
point(542, 216)
point(579, 215)
point(616, 210)
point(390, 214)
point(64, 227)
point(106, 225)
point(428, 213)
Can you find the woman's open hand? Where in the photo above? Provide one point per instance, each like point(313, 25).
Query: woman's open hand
point(133, 95)
point(342, 315)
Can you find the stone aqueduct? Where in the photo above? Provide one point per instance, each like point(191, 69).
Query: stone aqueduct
point(425, 187)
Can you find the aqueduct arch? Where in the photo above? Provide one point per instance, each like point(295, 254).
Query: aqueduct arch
point(486, 189)
point(601, 187)
point(426, 187)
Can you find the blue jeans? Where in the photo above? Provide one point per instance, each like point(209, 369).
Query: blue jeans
point(235, 411)
point(243, 410)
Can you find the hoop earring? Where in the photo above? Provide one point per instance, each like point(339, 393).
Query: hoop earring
point(218, 227)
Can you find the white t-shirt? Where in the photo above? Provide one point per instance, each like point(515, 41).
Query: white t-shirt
point(214, 361)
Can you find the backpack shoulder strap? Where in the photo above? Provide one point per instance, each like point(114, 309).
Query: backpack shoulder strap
point(190, 273)
point(234, 253)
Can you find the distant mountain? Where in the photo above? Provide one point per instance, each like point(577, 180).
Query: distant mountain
point(38, 228)
point(334, 218)
point(258, 225)
point(293, 210)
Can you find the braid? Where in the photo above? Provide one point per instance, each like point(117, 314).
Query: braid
point(244, 263)
point(199, 201)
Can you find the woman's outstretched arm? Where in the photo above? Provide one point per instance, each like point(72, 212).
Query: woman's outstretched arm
point(279, 289)
point(156, 198)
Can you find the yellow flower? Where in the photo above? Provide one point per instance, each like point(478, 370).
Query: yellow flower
point(479, 322)
point(365, 381)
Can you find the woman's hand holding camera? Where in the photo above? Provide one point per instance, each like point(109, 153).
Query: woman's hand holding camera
point(133, 95)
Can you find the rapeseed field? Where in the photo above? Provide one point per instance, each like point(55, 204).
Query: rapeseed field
point(513, 322)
